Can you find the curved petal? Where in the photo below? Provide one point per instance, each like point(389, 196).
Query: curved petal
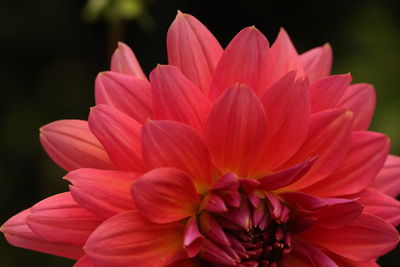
point(287, 111)
point(126, 93)
point(165, 195)
point(120, 136)
point(124, 61)
point(367, 154)
point(328, 138)
point(235, 129)
point(317, 62)
point(243, 61)
point(326, 92)
point(84, 262)
point(60, 219)
point(173, 144)
point(366, 238)
point(360, 99)
point(388, 179)
point(282, 59)
point(177, 98)
point(72, 146)
point(192, 238)
point(18, 234)
point(381, 205)
point(103, 192)
point(193, 49)
point(128, 240)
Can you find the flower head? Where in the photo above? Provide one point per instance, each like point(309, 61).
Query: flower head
point(248, 156)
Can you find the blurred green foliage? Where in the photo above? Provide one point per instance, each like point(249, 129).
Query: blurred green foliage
point(50, 55)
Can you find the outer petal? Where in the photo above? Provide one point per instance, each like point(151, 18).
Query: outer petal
point(173, 144)
point(317, 62)
point(193, 49)
point(381, 205)
point(72, 146)
point(105, 193)
point(235, 129)
point(367, 154)
point(177, 98)
point(287, 110)
point(60, 219)
point(165, 195)
point(243, 61)
point(326, 92)
point(328, 138)
point(84, 262)
point(388, 179)
point(124, 61)
point(126, 93)
point(359, 98)
point(128, 240)
point(120, 136)
point(19, 234)
point(366, 238)
point(282, 59)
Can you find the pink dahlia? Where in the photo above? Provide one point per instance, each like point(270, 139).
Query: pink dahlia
point(249, 156)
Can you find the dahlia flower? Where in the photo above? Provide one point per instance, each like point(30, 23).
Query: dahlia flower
point(248, 156)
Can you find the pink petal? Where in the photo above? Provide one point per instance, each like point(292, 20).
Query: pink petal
point(193, 49)
point(192, 238)
point(304, 202)
point(213, 253)
point(326, 92)
point(366, 238)
point(388, 179)
point(124, 61)
point(236, 129)
point(282, 59)
point(287, 109)
point(60, 219)
point(360, 99)
point(213, 203)
point(173, 144)
point(381, 205)
point(317, 62)
point(243, 61)
point(212, 230)
point(105, 193)
point(177, 98)
point(328, 138)
point(72, 146)
point(367, 154)
point(18, 234)
point(285, 177)
point(305, 254)
point(343, 262)
point(126, 93)
point(128, 240)
point(165, 195)
point(84, 262)
point(120, 136)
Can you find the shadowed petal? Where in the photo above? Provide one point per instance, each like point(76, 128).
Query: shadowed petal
point(367, 154)
point(243, 61)
point(317, 62)
point(128, 240)
point(18, 234)
point(193, 49)
point(366, 238)
point(126, 93)
point(60, 219)
point(124, 61)
point(236, 129)
point(84, 262)
point(120, 136)
point(360, 99)
point(173, 144)
point(192, 238)
point(326, 92)
point(388, 179)
point(177, 98)
point(165, 195)
point(105, 193)
point(72, 146)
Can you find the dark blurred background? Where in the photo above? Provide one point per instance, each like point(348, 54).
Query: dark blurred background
point(51, 51)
